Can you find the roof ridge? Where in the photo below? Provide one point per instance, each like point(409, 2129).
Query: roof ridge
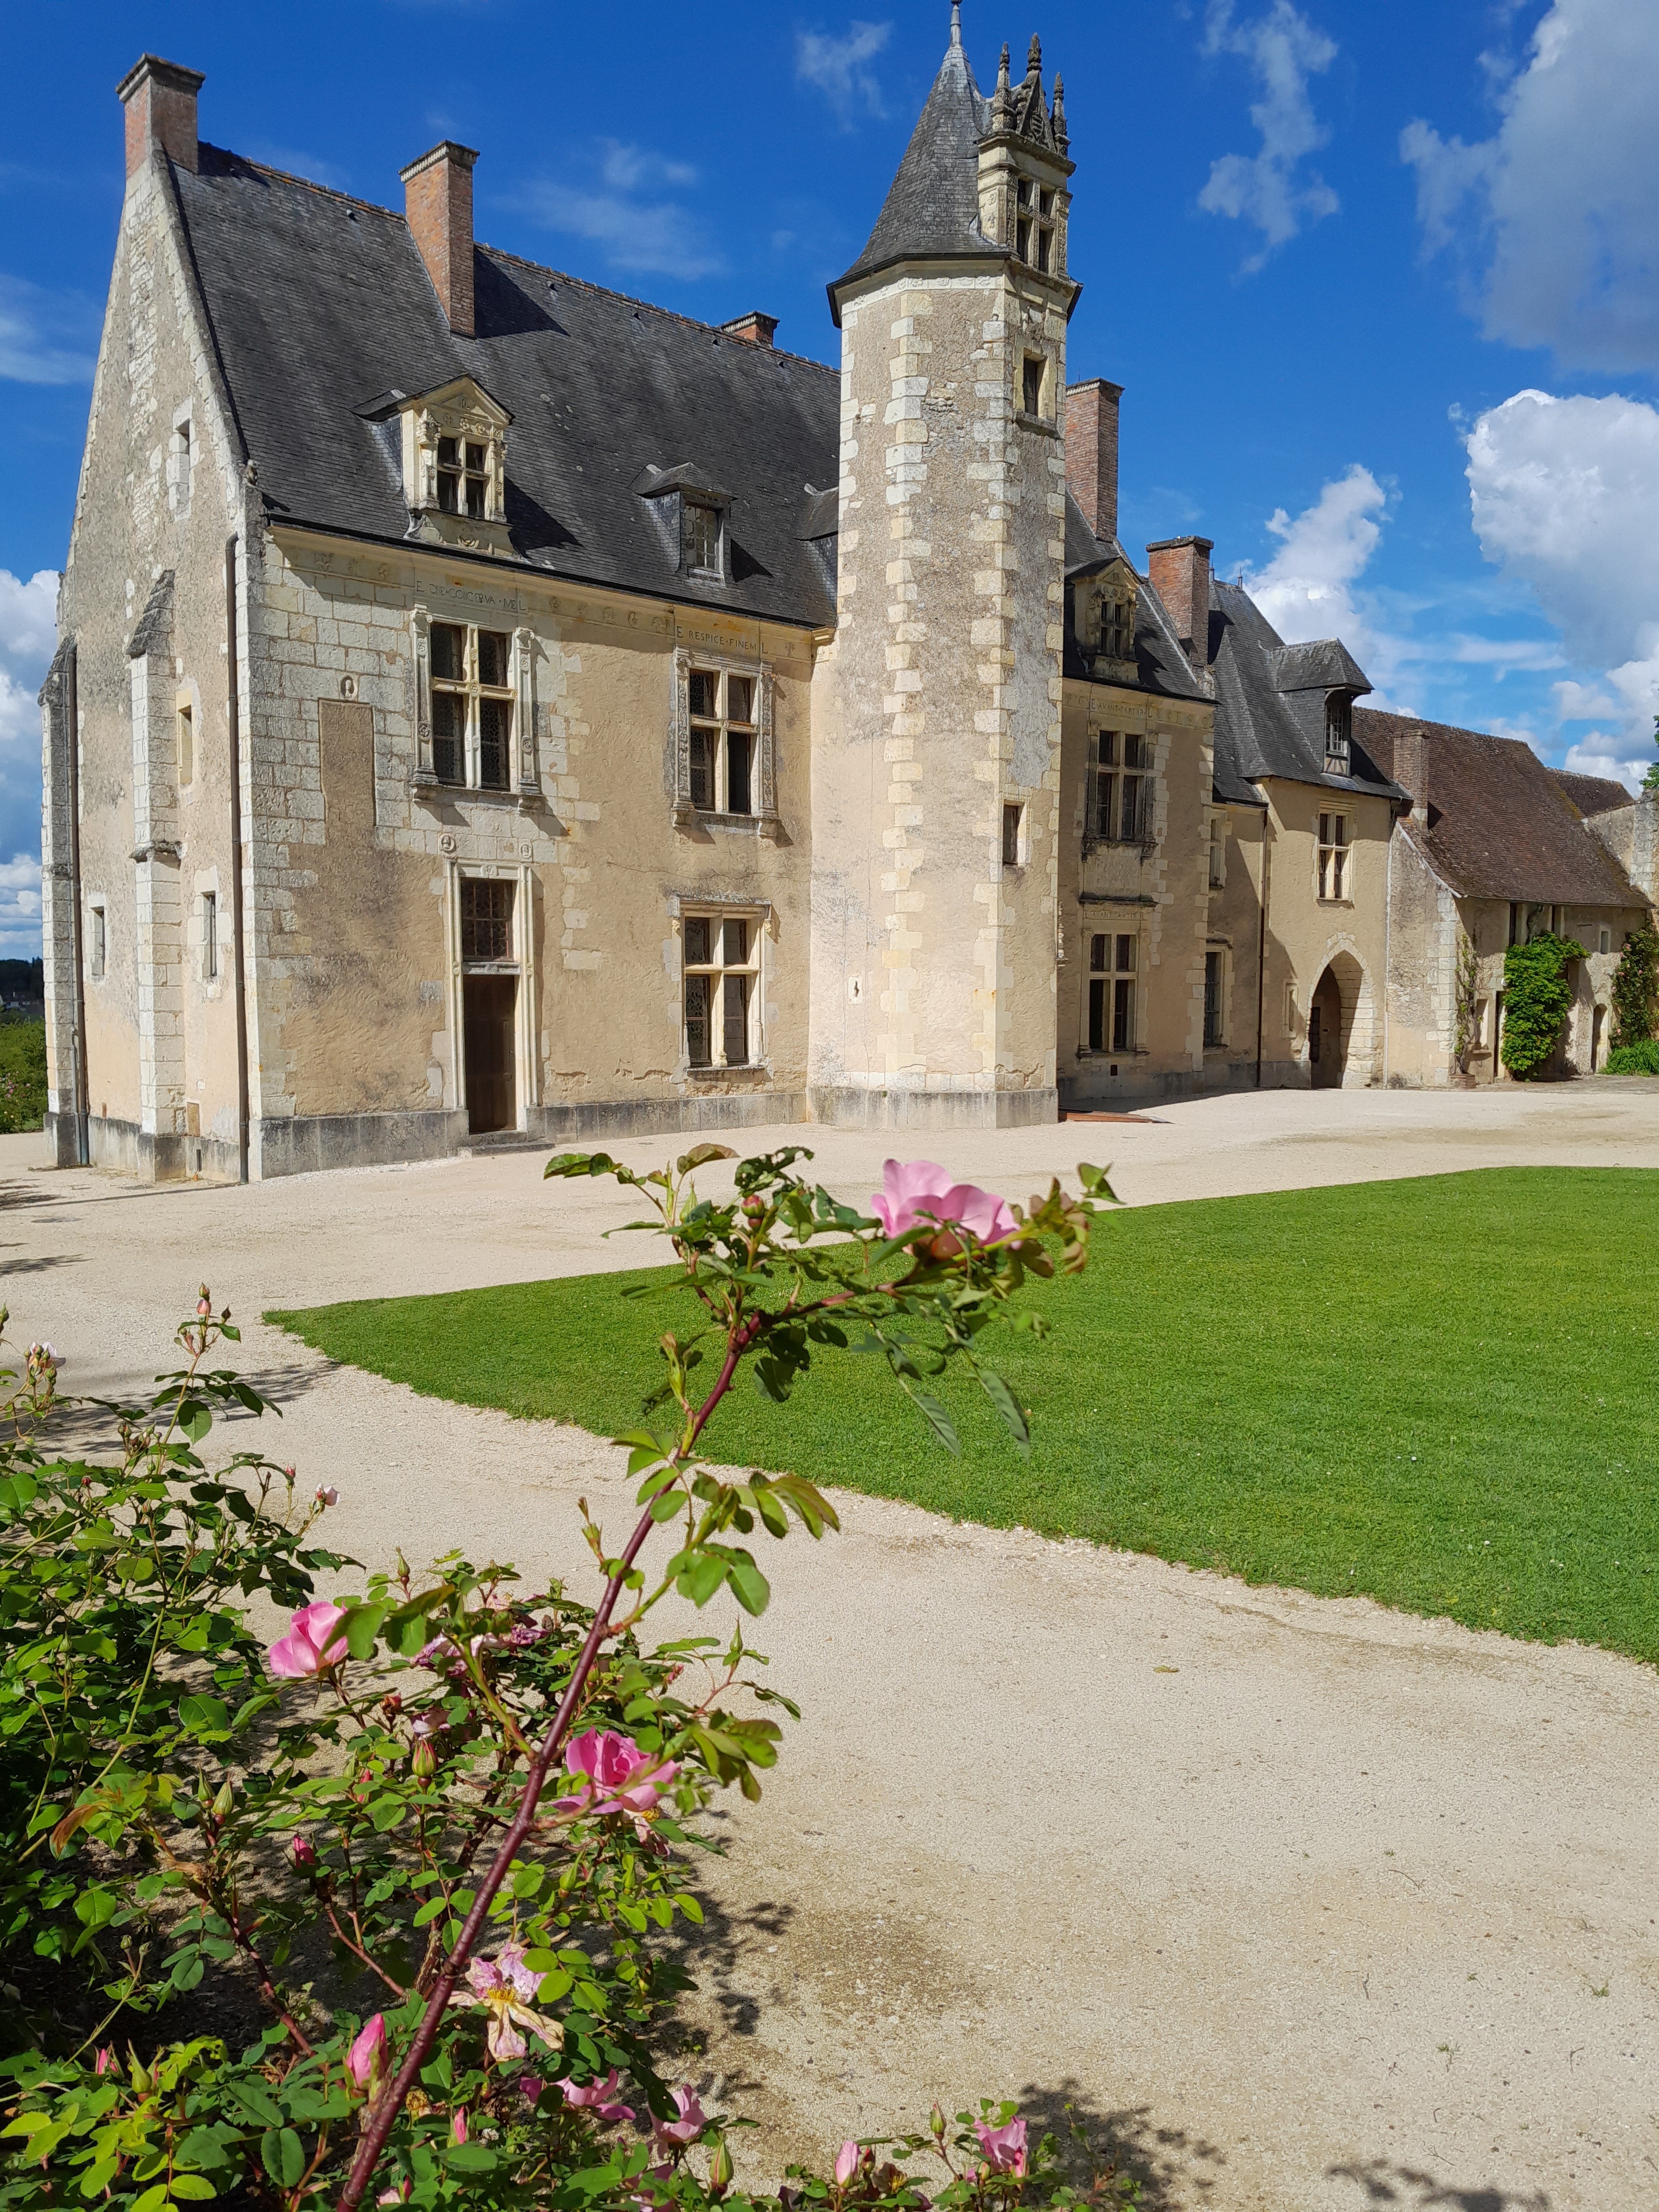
point(522, 260)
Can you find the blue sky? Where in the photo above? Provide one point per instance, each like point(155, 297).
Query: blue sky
point(1381, 278)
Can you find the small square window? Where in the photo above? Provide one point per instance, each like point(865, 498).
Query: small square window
point(1010, 822)
point(486, 918)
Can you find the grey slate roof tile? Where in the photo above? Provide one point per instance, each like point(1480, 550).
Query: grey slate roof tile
point(1161, 665)
point(321, 308)
point(1262, 730)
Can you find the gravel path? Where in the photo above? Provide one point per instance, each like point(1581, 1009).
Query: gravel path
point(1312, 1906)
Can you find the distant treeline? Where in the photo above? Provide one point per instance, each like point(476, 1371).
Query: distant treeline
point(22, 979)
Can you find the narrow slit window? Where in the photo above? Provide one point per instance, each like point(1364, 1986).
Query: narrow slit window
point(186, 746)
point(98, 950)
point(721, 959)
point(1033, 384)
point(1012, 817)
point(209, 936)
point(1215, 1031)
point(1335, 857)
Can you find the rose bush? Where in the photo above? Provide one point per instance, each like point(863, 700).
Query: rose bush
point(294, 1918)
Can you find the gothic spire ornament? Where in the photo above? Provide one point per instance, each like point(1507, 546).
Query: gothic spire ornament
point(956, 23)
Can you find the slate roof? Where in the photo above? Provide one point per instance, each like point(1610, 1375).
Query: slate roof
point(1499, 825)
point(1592, 794)
point(931, 208)
point(1161, 665)
point(1265, 727)
point(319, 305)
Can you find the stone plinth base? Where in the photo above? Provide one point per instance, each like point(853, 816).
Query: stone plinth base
point(850, 1106)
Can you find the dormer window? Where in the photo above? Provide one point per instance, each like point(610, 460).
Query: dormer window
point(463, 476)
point(1338, 733)
point(700, 538)
point(1117, 630)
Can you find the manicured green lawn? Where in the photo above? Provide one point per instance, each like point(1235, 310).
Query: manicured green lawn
point(1440, 1392)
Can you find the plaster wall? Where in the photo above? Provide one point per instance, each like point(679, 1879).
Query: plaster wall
point(933, 963)
point(1306, 934)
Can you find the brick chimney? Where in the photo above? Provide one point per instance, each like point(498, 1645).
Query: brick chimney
point(754, 328)
point(1180, 570)
point(1091, 452)
point(160, 100)
point(438, 207)
point(1411, 771)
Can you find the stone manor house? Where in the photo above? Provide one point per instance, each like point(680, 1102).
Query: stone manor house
point(488, 706)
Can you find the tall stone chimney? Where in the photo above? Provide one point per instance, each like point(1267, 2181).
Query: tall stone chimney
point(1091, 411)
point(438, 207)
point(1180, 570)
point(160, 100)
point(1411, 771)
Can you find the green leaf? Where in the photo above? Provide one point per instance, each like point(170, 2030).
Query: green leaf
point(700, 1155)
point(191, 2185)
point(201, 2147)
point(749, 1585)
point(468, 2157)
point(701, 1575)
point(939, 1420)
point(360, 1627)
point(204, 1716)
point(384, 1813)
point(256, 2101)
point(282, 2155)
point(152, 2200)
point(194, 1419)
point(1008, 1406)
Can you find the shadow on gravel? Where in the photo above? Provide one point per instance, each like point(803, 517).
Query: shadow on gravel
point(1175, 2168)
point(1413, 2191)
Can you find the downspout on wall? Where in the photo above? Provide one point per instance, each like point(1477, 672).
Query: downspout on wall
point(232, 710)
point(1261, 938)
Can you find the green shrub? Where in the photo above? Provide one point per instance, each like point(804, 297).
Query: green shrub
point(22, 1074)
point(1636, 990)
point(1536, 997)
point(1641, 1058)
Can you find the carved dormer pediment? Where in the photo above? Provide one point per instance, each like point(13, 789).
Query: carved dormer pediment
point(454, 446)
point(1103, 602)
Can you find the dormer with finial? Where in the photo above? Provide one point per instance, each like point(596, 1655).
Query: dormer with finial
point(1023, 171)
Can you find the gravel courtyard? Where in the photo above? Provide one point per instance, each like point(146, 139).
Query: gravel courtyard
point(1309, 1905)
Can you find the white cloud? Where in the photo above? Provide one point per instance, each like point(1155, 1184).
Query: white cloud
point(1564, 494)
point(1559, 212)
point(1284, 50)
point(1592, 760)
point(46, 338)
point(840, 67)
point(29, 638)
point(625, 216)
point(1307, 590)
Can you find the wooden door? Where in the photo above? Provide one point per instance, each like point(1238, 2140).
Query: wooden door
point(488, 1007)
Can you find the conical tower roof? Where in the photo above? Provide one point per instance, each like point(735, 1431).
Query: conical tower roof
point(932, 208)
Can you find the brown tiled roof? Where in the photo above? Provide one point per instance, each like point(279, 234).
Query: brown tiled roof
point(1592, 794)
point(1500, 825)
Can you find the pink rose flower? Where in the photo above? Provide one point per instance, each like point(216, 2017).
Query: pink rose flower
point(307, 1650)
point(457, 2126)
point(503, 1986)
point(303, 1853)
point(327, 1494)
point(622, 1778)
point(598, 2098)
point(106, 2057)
point(366, 2060)
point(1004, 2148)
point(847, 2162)
point(677, 2133)
point(916, 1192)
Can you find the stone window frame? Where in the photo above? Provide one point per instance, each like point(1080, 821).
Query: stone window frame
point(1037, 223)
point(1117, 590)
point(471, 421)
point(1217, 840)
point(523, 788)
point(1104, 763)
point(182, 462)
point(1220, 951)
point(97, 906)
point(1338, 843)
point(524, 964)
point(1097, 980)
point(762, 917)
point(1023, 355)
point(763, 816)
point(1338, 733)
